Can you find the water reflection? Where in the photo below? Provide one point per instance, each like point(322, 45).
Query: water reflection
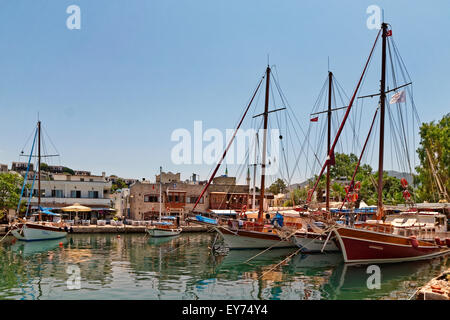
point(30, 248)
point(183, 267)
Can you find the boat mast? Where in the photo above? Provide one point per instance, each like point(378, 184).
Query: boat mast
point(330, 80)
point(382, 116)
point(254, 175)
point(160, 193)
point(263, 164)
point(39, 169)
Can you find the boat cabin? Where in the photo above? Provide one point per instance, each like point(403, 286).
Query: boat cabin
point(46, 217)
point(426, 221)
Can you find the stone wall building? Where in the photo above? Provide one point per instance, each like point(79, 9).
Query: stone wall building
point(178, 198)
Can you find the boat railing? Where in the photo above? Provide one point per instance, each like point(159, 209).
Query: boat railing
point(376, 227)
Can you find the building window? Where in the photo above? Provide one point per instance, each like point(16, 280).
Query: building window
point(93, 194)
point(57, 194)
point(75, 194)
point(194, 199)
point(151, 198)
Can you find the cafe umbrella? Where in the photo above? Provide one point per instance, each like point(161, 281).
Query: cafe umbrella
point(76, 208)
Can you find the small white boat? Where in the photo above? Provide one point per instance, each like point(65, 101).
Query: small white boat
point(163, 229)
point(34, 231)
point(37, 229)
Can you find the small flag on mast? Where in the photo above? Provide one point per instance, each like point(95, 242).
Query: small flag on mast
point(315, 119)
point(389, 33)
point(398, 97)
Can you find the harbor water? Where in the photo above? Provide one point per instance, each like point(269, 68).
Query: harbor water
point(134, 266)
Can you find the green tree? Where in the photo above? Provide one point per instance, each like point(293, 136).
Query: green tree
point(343, 169)
point(44, 167)
point(337, 191)
point(68, 170)
point(10, 187)
point(278, 186)
point(434, 147)
point(118, 184)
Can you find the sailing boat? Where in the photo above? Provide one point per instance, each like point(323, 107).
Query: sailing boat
point(162, 228)
point(376, 241)
point(49, 228)
point(245, 234)
point(318, 240)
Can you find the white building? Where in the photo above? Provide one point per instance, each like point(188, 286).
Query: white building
point(121, 202)
point(64, 190)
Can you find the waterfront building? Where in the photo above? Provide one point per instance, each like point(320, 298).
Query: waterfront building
point(178, 197)
point(61, 190)
point(168, 177)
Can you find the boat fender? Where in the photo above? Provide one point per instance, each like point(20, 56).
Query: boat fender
point(447, 241)
point(438, 241)
point(66, 229)
point(414, 242)
point(71, 230)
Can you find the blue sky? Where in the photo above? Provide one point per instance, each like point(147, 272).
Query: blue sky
point(111, 93)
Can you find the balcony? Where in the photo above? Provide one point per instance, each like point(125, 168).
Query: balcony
point(61, 202)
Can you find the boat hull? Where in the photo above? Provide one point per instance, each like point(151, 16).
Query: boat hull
point(365, 246)
point(312, 243)
point(162, 232)
point(243, 239)
point(36, 232)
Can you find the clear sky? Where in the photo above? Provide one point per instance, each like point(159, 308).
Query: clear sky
point(111, 93)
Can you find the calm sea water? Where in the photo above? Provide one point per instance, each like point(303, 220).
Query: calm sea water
point(137, 267)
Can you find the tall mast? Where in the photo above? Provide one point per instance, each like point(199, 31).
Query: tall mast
point(254, 175)
point(160, 192)
point(39, 169)
point(382, 113)
point(263, 164)
point(330, 80)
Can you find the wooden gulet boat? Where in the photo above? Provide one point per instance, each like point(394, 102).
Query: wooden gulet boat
point(376, 241)
point(27, 230)
point(162, 228)
point(320, 241)
point(243, 234)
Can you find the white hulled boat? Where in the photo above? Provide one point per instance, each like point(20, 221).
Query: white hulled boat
point(163, 228)
point(36, 229)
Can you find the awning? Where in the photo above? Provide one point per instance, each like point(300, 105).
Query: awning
point(224, 212)
point(47, 211)
point(168, 217)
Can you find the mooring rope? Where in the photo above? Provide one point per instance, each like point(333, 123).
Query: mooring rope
point(290, 256)
point(265, 250)
point(6, 235)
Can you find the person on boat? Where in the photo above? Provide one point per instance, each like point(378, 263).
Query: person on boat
point(278, 220)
